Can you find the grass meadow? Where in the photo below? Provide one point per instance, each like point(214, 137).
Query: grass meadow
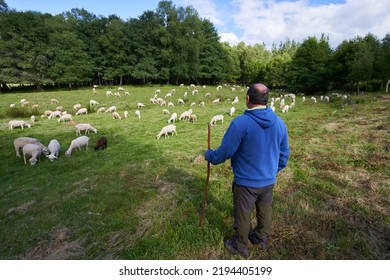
point(141, 198)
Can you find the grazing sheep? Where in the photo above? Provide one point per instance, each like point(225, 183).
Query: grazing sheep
point(117, 94)
point(17, 123)
point(208, 94)
point(77, 106)
point(101, 143)
point(25, 104)
point(202, 104)
point(138, 114)
point(125, 114)
point(65, 117)
point(111, 109)
point(215, 101)
point(60, 108)
point(54, 149)
point(54, 101)
point(84, 127)
point(140, 105)
point(215, 119)
point(115, 115)
point(193, 118)
point(12, 105)
point(165, 112)
point(32, 118)
point(313, 99)
point(186, 115)
point(93, 102)
point(32, 150)
point(166, 130)
point(285, 109)
point(235, 100)
point(54, 114)
point(21, 141)
point(78, 143)
point(180, 101)
point(232, 111)
point(173, 118)
point(170, 104)
point(168, 95)
point(108, 93)
point(101, 110)
point(82, 111)
point(35, 107)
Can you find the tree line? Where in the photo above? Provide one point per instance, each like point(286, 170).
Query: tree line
point(173, 45)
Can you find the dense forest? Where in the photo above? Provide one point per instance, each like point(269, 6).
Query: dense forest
point(173, 45)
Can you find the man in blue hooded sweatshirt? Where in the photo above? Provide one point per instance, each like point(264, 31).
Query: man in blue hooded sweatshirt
point(257, 144)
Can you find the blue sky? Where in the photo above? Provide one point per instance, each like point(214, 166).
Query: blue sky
point(252, 21)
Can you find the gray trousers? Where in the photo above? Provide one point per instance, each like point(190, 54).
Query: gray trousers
point(244, 200)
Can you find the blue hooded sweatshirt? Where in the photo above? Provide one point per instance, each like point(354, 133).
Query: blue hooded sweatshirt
point(257, 143)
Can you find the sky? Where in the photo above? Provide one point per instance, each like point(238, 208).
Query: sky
point(251, 21)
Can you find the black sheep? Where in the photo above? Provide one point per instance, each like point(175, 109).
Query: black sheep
point(101, 143)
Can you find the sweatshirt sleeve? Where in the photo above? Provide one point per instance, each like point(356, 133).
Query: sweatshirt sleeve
point(284, 152)
point(230, 143)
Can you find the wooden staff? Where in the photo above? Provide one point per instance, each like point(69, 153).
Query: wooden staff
point(207, 178)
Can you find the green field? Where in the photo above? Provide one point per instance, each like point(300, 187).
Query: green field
point(141, 197)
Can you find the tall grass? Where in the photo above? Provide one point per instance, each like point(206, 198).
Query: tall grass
point(141, 197)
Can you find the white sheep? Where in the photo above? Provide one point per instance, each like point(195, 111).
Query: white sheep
point(140, 105)
point(54, 101)
point(168, 95)
point(32, 150)
point(173, 118)
point(232, 111)
point(285, 109)
point(54, 149)
point(186, 115)
point(12, 105)
point(165, 112)
point(193, 118)
point(215, 101)
point(32, 118)
point(125, 114)
point(202, 104)
point(54, 114)
point(166, 130)
point(138, 114)
point(82, 111)
point(65, 117)
point(111, 109)
point(170, 104)
point(215, 119)
point(84, 127)
point(17, 123)
point(313, 99)
point(77, 106)
point(101, 110)
point(93, 102)
point(21, 141)
point(208, 94)
point(180, 101)
point(235, 100)
point(78, 143)
point(115, 115)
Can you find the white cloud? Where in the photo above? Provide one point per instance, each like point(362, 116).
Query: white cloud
point(230, 38)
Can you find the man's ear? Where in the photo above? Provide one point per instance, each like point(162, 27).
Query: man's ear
point(248, 99)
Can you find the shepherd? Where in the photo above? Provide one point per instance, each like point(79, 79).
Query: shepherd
point(257, 144)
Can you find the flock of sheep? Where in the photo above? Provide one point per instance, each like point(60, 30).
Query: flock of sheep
point(33, 148)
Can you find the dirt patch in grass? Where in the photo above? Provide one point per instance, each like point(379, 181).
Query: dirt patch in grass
point(57, 247)
point(22, 208)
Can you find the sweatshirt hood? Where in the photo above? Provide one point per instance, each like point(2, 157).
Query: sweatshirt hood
point(263, 117)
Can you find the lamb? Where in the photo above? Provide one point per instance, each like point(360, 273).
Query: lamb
point(180, 101)
point(313, 99)
point(77, 106)
point(78, 143)
point(170, 104)
point(235, 100)
point(54, 101)
point(54, 114)
point(84, 127)
point(12, 105)
point(125, 114)
point(101, 143)
point(54, 149)
point(202, 104)
point(216, 100)
point(165, 112)
point(171, 128)
point(215, 119)
point(168, 95)
point(65, 117)
point(32, 118)
point(21, 141)
point(82, 111)
point(138, 114)
point(232, 111)
point(17, 123)
point(140, 105)
point(32, 150)
point(285, 109)
point(173, 118)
